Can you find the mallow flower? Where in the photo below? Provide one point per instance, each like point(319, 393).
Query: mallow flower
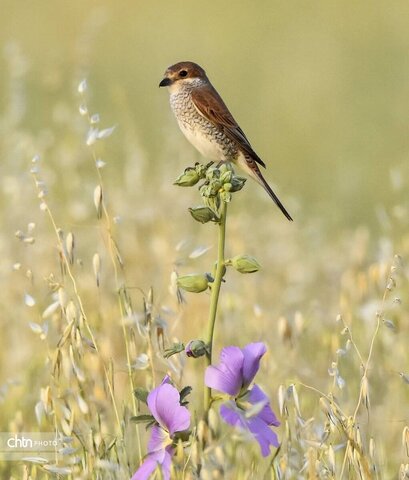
point(247, 409)
point(171, 417)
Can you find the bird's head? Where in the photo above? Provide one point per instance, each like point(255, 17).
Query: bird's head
point(183, 74)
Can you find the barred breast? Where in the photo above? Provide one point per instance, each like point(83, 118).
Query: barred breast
point(211, 141)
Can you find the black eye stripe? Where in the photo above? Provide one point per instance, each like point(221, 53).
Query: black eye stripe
point(182, 73)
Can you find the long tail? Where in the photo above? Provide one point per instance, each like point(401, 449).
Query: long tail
point(250, 166)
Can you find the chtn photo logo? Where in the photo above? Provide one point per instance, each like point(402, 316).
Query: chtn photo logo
point(20, 442)
point(17, 446)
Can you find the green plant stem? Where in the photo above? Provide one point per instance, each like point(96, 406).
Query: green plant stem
point(220, 269)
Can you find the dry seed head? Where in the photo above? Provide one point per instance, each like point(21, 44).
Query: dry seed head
point(50, 310)
point(98, 200)
point(62, 297)
point(100, 163)
point(331, 459)
point(82, 87)
point(69, 245)
point(107, 132)
point(92, 136)
point(46, 398)
point(83, 110)
point(78, 372)
point(202, 432)
point(372, 448)
point(281, 398)
point(365, 391)
point(96, 264)
point(405, 439)
point(219, 454)
point(70, 312)
point(95, 118)
point(295, 397)
point(195, 454)
point(39, 412)
point(358, 438)
point(391, 284)
point(284, 329)
point(29, 300)
point(65, 426)
point(404, 471)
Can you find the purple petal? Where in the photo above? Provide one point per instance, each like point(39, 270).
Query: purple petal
point(164, 404)
point(227, 376)
point(166, 379)
point(146, 469)
point(162, 459)
point(167, 461)
point(236, 417)
point(158, 441)
point(231, 415)
point(263, 434)
point(252, 354)
point(256, 395)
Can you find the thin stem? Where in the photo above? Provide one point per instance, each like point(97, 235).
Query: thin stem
point(220, 270)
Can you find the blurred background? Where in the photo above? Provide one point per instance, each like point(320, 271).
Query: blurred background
point(321, 90)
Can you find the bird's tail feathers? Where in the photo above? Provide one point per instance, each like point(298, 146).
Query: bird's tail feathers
point(252, 169)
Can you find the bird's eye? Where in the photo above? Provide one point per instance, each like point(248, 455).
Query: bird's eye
point(182, 73)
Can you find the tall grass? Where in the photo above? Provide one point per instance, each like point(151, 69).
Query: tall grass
point(89, 306)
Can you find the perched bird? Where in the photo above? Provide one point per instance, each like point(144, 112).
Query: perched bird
point(207, 123)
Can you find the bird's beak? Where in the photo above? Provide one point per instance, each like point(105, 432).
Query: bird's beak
point(165, 82)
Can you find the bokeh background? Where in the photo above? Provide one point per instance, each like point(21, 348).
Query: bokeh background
point(321, 90)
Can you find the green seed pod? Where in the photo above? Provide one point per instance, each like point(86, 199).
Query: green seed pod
point(202, 214)
point(193, 282)
point(188, 178)
point(196, 348)
point(245, 264)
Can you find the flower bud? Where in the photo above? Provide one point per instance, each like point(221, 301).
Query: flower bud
point(202, 169)
point(196, 348)
point(212, 202)
point(225, 196)
point(223, 168)
point(226, 177)
point(202, 214)
point(193, 282)
point(212, 173)
point(188, 178)
point(245, 264)
point(237, 183)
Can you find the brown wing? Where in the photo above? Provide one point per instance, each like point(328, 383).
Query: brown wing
point(209, 104)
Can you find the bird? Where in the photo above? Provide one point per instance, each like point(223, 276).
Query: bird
point(209, 126)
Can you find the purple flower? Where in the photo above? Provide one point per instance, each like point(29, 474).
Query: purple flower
point(248, 409)
point(164, 404)
point(237, 368)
